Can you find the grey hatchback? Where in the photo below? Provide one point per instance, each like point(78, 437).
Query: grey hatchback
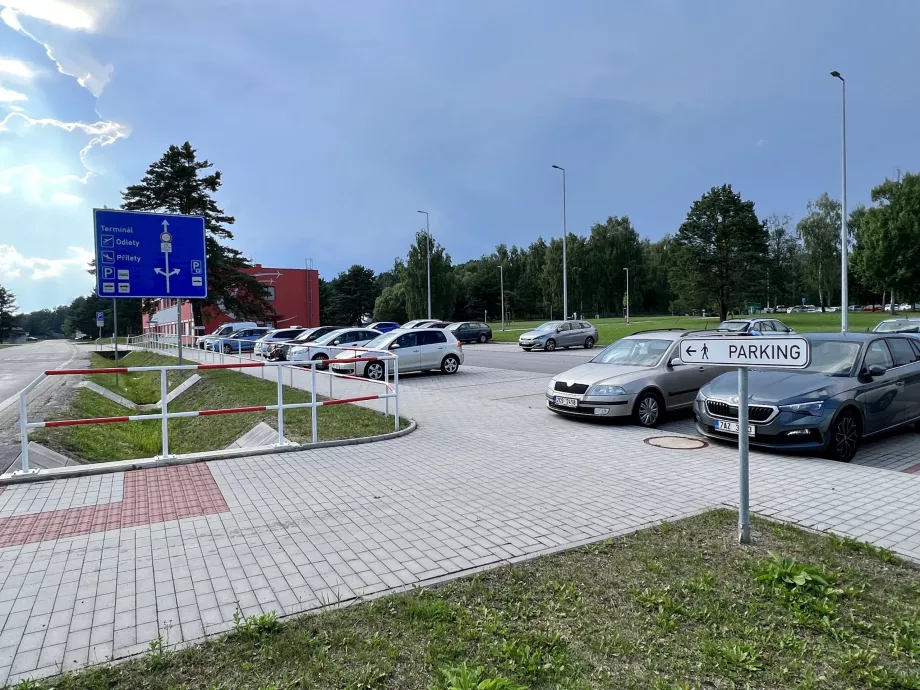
point(553, 334)
point(857, 385)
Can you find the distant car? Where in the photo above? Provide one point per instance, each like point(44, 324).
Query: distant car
point(796, 310)
point(279, 351)
point(331, 344)
point(32, 339)
point(855, 307)
point(906, 307)
point(471, 332)
point(417, 323)
point(856, 385)
point(811, 309)
point(755, 326)
point(241, 341)
point(897, 307)
point(553, 334)
point(383, 326)
point(780, 309)
point(417, 349)
point(439, 324)
point(223, 331)
point(279, 335)
point(768, 310)
point(873, 307)
point(833, 309)
point(639, 376)
point(897, 326)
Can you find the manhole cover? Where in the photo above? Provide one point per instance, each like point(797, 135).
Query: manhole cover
point(676, 442)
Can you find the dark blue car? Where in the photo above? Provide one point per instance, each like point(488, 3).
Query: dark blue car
point(384, 326)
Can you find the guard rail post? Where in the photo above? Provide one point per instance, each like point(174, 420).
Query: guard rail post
point(313, 391)
point(24, 430)
point(396, 387)
point(386, 382)
point(280, 405)
point(165, 423)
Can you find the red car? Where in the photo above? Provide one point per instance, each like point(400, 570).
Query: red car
point(873, 307)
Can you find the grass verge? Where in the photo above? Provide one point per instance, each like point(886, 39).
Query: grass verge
point(676, 607)
point(610, 330)
point(138, 387)
point(217, 389)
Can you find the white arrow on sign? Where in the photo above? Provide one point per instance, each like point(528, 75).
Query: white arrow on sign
point(167, 272)
point(276, 274)
point(755, 351)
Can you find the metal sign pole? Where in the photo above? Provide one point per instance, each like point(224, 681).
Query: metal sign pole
point(115, 328)
point(744, 508)
point(179, 321)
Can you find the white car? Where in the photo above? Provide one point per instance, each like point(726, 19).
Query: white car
point(417, 349)
point(280, 335)
point(331, 344)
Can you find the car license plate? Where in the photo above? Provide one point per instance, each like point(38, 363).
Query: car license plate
point(731, 427)
point(563, 401)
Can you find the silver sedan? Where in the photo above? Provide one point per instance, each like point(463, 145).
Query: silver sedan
point(640, 376)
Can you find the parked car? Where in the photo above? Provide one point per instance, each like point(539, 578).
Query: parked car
point(223, 331)
point(553, 334)
point(855, 307)
point(279, 351)
point(279, 335)
point(897, 326)
point(857, 385)
point(768, 310)
point(780, 309)
point(241, 341)
point(811, 309)
point(471, 331)
point(440, 324)
point(417, 323)
point(832, 309)
point(796, 310)
point(873, 307)
point(639, 376)
point(755, 326)
point(383, 326)
point(31, 339)
point(897, 307)
point(330, 344)
point(417, 349)
point(906, 307)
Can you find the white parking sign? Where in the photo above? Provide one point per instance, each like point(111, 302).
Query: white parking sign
point(754, 351)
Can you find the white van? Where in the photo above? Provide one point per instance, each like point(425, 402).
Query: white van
point(223, 331)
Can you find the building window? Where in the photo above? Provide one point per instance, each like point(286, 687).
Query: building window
point(271, 292)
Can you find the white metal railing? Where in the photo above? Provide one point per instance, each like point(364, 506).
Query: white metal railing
point(142, 342)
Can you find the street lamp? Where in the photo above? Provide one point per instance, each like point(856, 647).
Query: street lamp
point(844, 298)
point(565, 280)
point(501, 274)
point(627, 295)
point(428, 259)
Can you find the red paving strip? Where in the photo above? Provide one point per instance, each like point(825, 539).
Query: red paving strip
point(913, 469)
point(150, 496)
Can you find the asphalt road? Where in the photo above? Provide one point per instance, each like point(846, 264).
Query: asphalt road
point(22, 363)
point(510, 356)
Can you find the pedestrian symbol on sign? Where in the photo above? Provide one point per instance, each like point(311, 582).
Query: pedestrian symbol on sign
point(705, 351)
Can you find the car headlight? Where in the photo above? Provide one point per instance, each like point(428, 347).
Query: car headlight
point(812, 408)
point(605, 390)
point(700, 396)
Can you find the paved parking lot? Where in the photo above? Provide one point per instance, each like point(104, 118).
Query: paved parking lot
point(98, 567)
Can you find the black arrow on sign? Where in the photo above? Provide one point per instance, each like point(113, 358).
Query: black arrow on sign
point(690, 350)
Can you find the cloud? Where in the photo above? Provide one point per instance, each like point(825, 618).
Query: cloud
point(6, 95)
point(17, 68)
point(13, 264)
point(66, 14)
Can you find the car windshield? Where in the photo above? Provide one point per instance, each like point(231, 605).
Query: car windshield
point(634, 352)
point(549, 326)
point(305, 335)
point(891, 326)
point(832, 357)
point(733, 325)
point(328, 338)
point(380, 341)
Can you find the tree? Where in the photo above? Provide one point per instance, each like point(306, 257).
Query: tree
point(720, 250)
point(784, 262)
point(415, 280)
point(176, 183)
point(391, 304)
point(352, 295)
point(820, 234)
point(8, 310)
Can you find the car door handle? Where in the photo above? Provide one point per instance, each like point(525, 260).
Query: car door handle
point(702, 368)
point(415, 350)
point(899, 383)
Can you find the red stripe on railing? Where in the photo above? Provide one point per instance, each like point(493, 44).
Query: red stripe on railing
point(79, 422)
point(232, 410)
point(109, 370)
point(241, 365)
point(350, 400)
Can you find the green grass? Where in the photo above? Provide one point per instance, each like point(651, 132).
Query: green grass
point(141, 387)
point(676, 607)
point(217, 389)
point(610, 330)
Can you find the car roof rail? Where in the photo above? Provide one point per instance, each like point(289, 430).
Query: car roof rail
point(657, 330)
point(715, 331)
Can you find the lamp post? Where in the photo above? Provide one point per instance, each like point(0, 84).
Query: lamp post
point(565, 280)
point(627, 295)
point(428, 259)
point(501, 274)
point(844, 297)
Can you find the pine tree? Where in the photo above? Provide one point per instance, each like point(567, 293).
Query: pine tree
point(178, 183)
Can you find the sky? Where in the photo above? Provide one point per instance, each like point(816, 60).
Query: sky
point(335, 122)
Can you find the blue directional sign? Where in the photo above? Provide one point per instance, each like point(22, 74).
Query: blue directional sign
point(100, 319)
point(154, 255)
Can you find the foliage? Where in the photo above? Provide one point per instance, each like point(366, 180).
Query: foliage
point(8, 310)
point(349, 298)
point(465, 677)
point(720, 252)
point(177, 183)
point(819, 231)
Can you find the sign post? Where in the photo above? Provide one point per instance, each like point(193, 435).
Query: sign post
point(788, 352)
point(152, 256)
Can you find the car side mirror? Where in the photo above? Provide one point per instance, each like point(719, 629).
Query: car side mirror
point(558, 330)
point(395, 346)
point(676, 362)
point(877, 370)
point(336, 342)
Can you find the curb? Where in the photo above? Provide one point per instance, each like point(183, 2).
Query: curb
point(192, 458)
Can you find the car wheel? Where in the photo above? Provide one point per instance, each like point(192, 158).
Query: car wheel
point(648, 409)
point(589, 342)
point(450, 364)
point(845, 435)
point(374, 371)
point(550, 345)
point(321, 358)
point(228, 350)
point(482, 338)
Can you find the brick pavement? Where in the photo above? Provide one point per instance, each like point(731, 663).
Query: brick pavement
point(489, 477)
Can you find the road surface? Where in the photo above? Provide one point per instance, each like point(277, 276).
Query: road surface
point(510, 356)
